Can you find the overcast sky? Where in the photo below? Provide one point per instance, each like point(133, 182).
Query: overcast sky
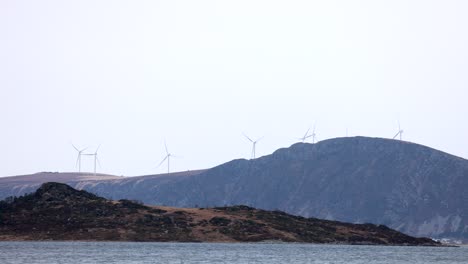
point(131, 74)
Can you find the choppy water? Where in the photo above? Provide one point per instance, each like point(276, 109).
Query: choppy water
point(117, 252)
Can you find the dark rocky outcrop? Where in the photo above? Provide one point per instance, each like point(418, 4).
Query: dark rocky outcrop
point(58, 212)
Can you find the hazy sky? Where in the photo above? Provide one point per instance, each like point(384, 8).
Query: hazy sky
point(129, 74)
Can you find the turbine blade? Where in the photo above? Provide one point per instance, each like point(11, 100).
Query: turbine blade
point(97, 149)
point(98, 162)
point(162, 161)
point(396, 135)
point(75, 148)
point(259, 139)
point(247, 137)
point(305, 135)
point(165, 146)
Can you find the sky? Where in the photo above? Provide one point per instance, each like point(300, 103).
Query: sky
point(130, 75)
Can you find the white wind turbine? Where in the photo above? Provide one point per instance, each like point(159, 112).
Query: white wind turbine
point(306, 136)
point(96, 159)
point(254, 144)
point(400, 132)
point(168, 158)
point(78, 159)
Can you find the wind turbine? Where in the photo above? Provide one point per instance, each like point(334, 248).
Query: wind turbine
point(254, 144)
point(168, 158)
point(78, 159)
point(306, 136)
point(400, 132)
point(96, 159)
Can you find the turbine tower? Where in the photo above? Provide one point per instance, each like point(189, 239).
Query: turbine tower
point(314, 136)
point(254, 144)
point(78, 159)
point(400, 132)
point(168, 158)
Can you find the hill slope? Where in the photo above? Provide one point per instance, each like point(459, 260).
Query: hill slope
point(58, 212)
point(412, 188)
point(19, 185)
point(409, 187)
point(123, 186)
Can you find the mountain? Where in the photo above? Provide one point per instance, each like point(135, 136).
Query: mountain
point(58, 212)
point(406, 186)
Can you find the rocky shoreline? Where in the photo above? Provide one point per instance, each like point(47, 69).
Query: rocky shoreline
point(58, 212)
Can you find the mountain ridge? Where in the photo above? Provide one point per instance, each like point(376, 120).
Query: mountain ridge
point(407, 186)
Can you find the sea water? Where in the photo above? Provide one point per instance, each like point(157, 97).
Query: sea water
point(176, 253)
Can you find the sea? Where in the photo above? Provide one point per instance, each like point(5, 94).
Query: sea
point(176, 253)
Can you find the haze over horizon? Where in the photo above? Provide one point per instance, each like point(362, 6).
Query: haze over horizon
point(198, 74)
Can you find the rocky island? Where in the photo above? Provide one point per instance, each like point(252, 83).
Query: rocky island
point(58, 212)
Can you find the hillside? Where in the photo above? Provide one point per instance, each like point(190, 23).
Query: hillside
point(23, 184)
point(19, 185)
point(408, 187)
point(58, 212)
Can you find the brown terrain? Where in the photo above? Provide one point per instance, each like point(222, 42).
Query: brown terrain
point(58, 212)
